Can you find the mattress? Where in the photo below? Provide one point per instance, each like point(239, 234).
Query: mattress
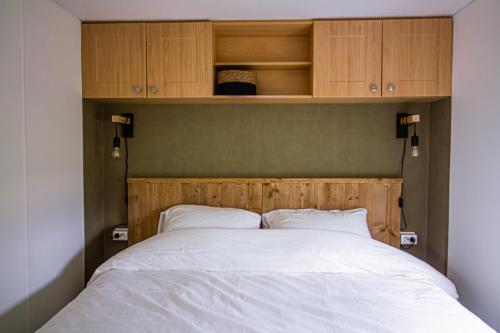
point(224, 280)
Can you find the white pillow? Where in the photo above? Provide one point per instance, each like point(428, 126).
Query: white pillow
point(353, 221)
point(195, 216)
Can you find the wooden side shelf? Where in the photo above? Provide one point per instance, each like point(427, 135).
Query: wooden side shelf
point(253, 65)
point(278, 52)
point(262, 98)
point(269, 99)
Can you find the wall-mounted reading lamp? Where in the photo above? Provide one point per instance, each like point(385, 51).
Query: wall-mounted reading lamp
point(403, 122)
point(126, 121)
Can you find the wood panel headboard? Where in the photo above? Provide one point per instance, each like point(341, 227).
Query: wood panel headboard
point(148, 197)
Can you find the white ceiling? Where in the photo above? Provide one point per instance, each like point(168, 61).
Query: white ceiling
point(117, 10)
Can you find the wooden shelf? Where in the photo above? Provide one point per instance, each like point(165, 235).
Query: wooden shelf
point(278, 52)
point(309, 99)
point(262, 28)
point(252, 65)
point(261, 96)
point(261, 99)
point(268, 99)
point(275, 81)
point(263, 41)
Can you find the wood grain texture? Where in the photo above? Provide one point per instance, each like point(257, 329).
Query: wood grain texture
point(149, 196)
point(417, 57)
point(277, 51)
point(334, 61)
point(268, 99)
point(114, 60)
point(180, 59)
point(262, 28)
point(347, 58)
point(253, 65)
point(282, 82)
point(268, 48)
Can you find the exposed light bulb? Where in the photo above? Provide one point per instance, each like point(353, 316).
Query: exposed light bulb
point(415, 152)
point(115, 152)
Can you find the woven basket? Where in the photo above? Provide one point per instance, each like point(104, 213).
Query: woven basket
point(236, 75)
point(236, 82)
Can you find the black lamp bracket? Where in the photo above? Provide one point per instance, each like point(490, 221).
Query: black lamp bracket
point(126, 120)
point(403, 121)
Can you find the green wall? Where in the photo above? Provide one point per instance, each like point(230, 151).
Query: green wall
point(439, 184)
point(356, 140)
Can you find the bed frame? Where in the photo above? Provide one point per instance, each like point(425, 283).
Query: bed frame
point(147, 197)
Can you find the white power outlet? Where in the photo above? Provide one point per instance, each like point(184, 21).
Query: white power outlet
point(120, 234)
point(409, 238)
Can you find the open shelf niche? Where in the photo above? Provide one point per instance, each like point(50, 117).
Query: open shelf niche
point(278, 52)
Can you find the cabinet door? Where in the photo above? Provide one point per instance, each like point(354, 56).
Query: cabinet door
point(347, 58)
point(114, 60)
point(417, 57)
point(180, 59)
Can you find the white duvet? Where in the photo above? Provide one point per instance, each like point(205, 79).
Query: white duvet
point(213, 280)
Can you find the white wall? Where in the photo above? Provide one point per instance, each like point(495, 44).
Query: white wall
point(41, 212)
point(13, 221)
point(473, 253)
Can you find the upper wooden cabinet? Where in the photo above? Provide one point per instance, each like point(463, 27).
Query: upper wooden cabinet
point(180, 59)
point(114, 60)
point(298, 61)
point(347, 58)
point(417, 57)
point(412, 59)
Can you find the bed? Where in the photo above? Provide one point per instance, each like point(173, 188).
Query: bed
point(238, 280)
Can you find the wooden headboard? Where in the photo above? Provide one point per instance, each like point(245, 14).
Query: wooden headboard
point(147, 197)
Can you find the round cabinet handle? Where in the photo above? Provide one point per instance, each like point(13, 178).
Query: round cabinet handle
point(153, 89)
point(373, 88)
point(391, 87)
point(136, 89)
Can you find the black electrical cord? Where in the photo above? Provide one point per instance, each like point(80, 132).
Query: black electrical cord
point(401, 202)
point(405, 225)
point(403, 162)
point(126, 171)
point(406, 248)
